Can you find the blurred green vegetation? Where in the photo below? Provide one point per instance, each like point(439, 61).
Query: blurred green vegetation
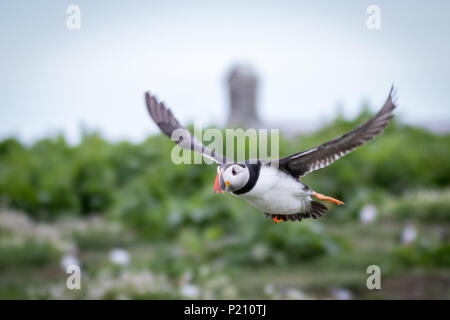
point(174, 222)
point(51, 178)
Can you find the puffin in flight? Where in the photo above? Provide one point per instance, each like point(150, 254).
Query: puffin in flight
point(274, 187)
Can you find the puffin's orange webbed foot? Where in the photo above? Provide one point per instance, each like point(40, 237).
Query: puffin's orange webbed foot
point(325, 198)
point(275, 219)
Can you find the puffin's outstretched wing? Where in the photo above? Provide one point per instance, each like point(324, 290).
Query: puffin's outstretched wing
point(321, 156)
point(166, 121)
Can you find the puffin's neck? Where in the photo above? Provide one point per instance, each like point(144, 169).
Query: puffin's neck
point(253, 170)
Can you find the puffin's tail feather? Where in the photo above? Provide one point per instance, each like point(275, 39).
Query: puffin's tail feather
point(317, 210)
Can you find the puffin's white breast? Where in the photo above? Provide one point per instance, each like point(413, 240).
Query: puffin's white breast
point(277, 192)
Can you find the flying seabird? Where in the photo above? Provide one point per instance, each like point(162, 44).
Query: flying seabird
point(276, 189)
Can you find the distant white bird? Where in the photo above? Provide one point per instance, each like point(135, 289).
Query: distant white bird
point(276, 189)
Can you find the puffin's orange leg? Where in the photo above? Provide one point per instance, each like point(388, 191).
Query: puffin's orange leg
point(275, 219)
point(322, 197)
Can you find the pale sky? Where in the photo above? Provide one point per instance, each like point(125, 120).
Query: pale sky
point(311, 57)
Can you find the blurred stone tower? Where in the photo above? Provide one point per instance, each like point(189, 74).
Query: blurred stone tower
point(243, 86)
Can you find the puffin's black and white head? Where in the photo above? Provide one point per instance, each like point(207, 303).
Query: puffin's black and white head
point(231, 177)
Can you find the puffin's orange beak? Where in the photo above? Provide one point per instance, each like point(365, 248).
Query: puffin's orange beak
point(217, 184)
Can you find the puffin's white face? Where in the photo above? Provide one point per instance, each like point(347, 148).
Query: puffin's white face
point(231, 178)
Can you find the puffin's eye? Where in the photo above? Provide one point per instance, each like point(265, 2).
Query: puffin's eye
point(233, 172)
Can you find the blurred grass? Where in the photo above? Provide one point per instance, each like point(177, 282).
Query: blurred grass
point(185, 241)
point(364, 244)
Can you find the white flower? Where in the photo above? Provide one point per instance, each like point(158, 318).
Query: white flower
point(190, 291)
point(69, 260)
point(269, 289)
point(204, 271)
point(368, 214)
point(294, 294)
point(119, 257)
point(260, 252)
point(409, 234)
point(342, 294)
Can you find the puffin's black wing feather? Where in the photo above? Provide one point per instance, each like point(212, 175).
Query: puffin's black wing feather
point(168, 124)
point(321, 156)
